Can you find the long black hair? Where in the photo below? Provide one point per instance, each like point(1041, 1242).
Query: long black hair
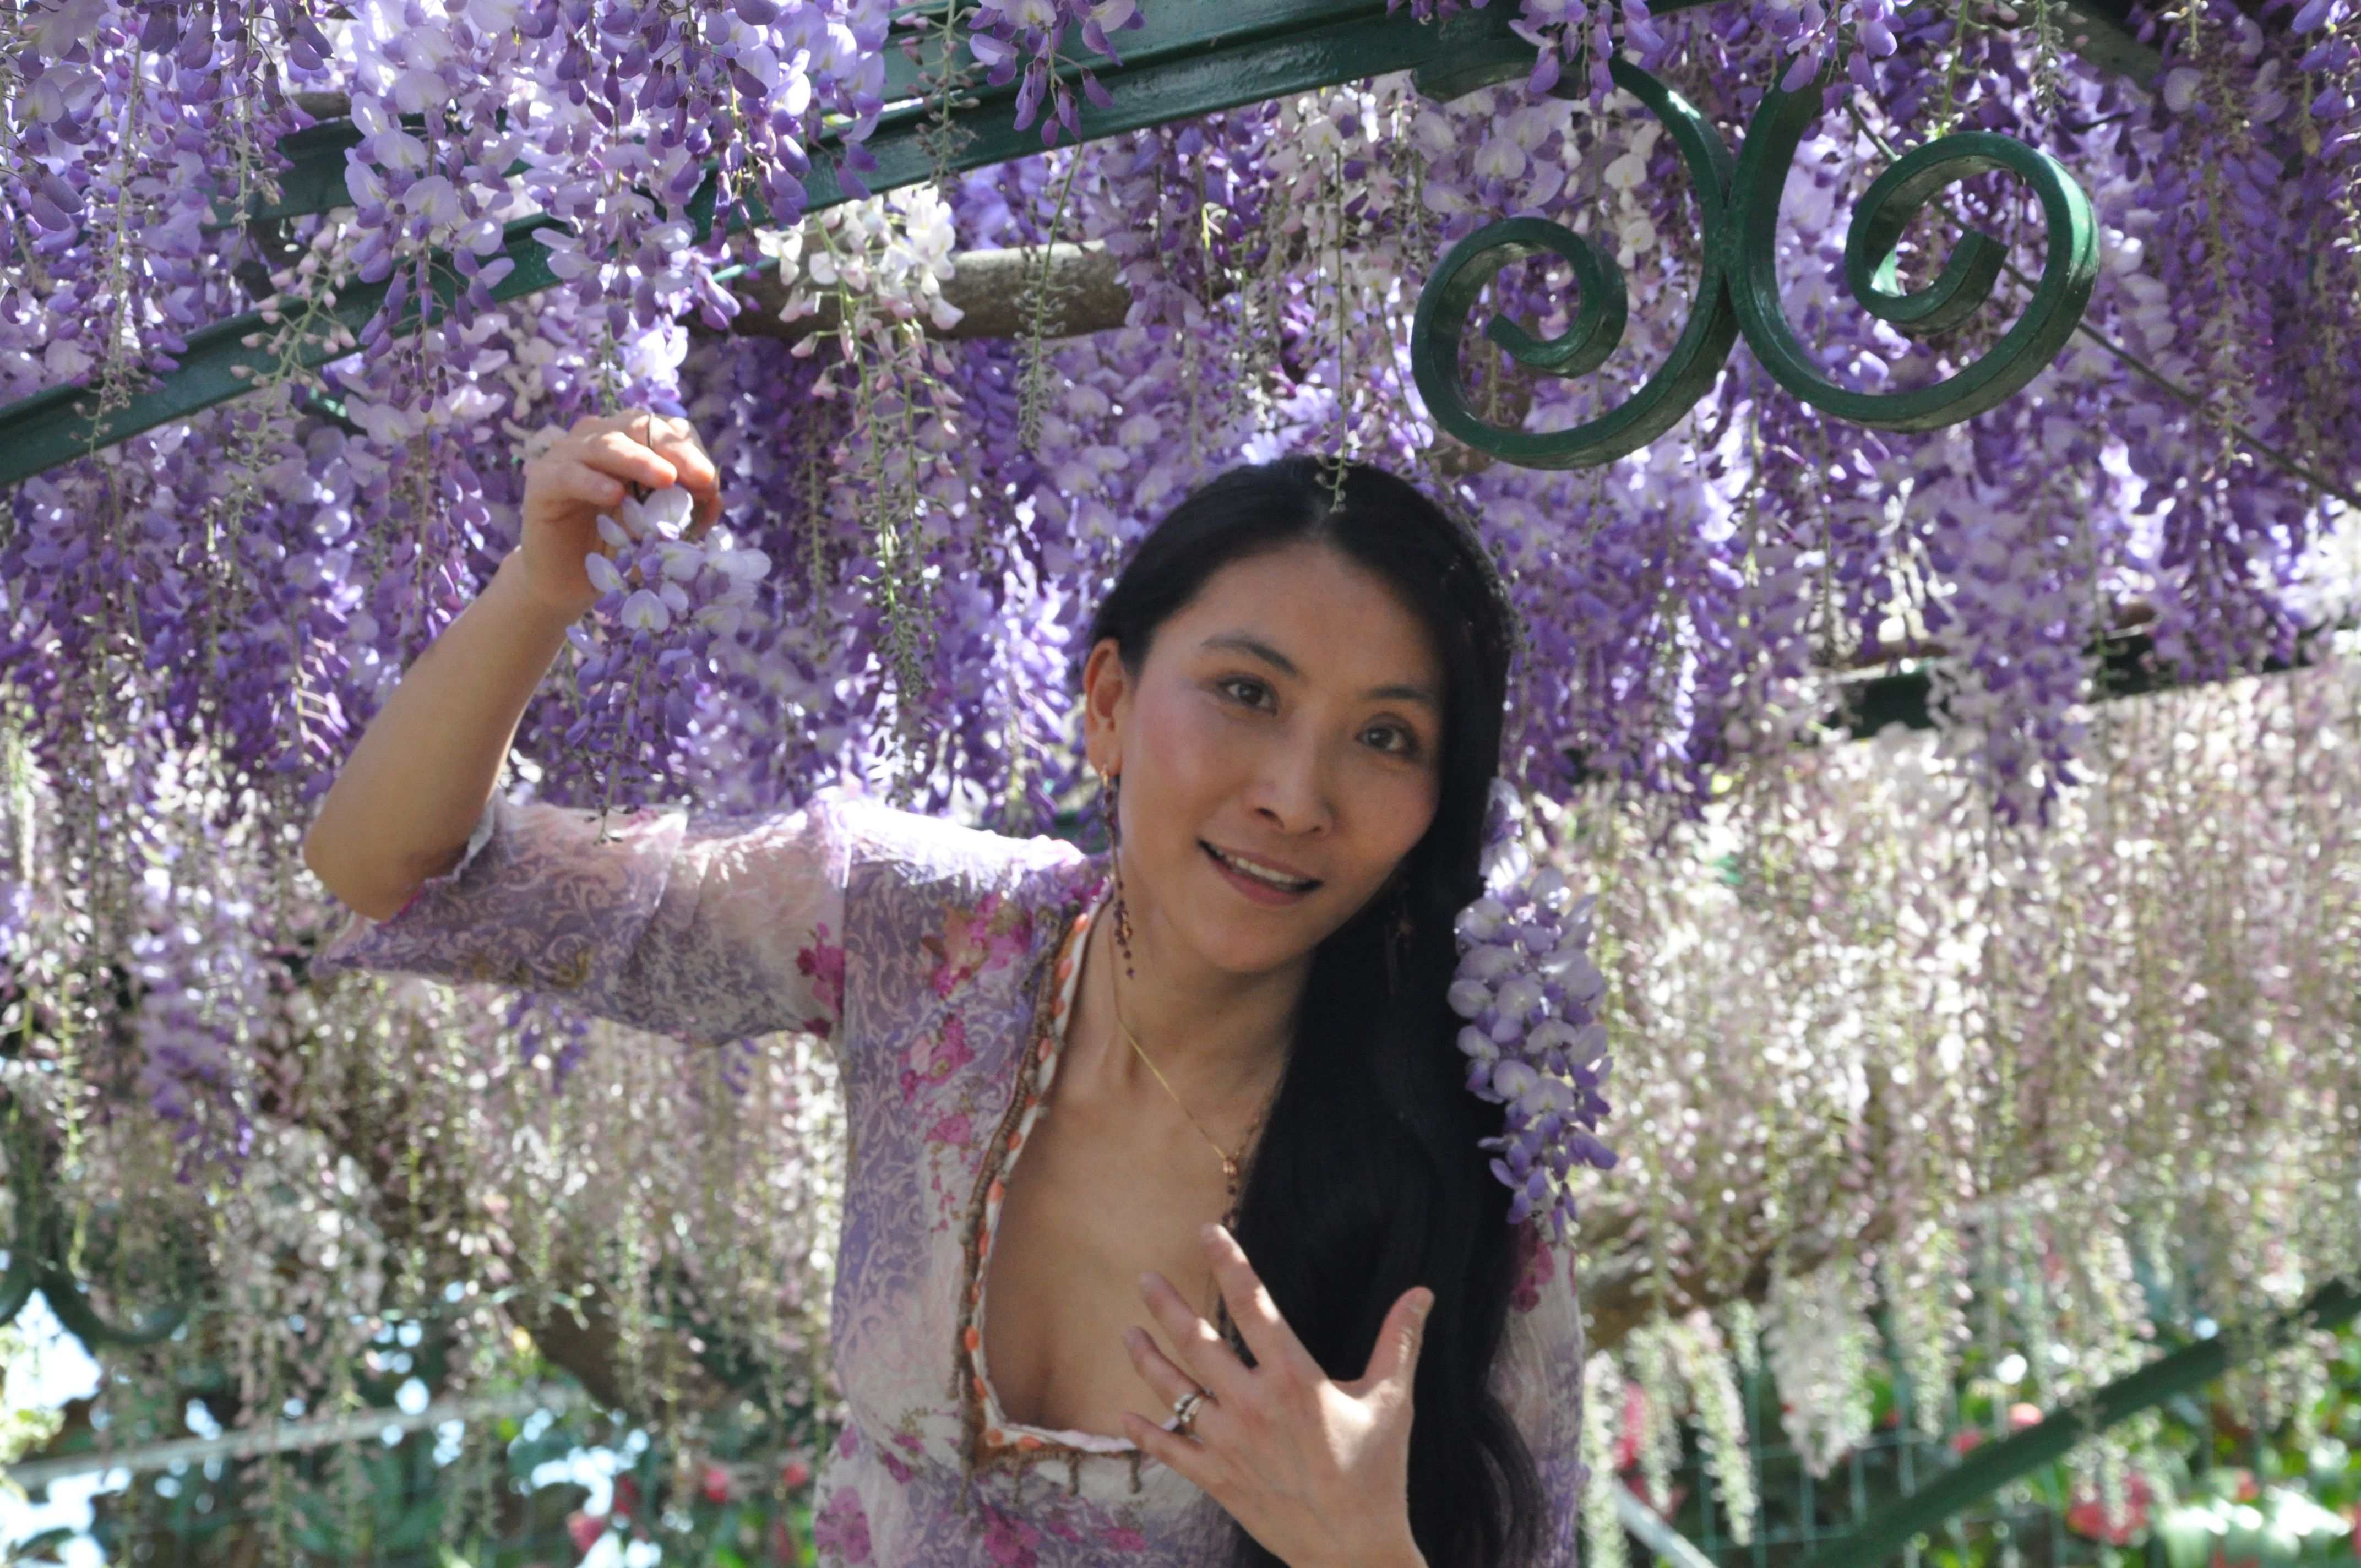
point(1368, 1179)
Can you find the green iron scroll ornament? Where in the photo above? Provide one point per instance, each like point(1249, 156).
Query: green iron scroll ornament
point(1739, 289)
point(38, 1258)
point(1599, 320)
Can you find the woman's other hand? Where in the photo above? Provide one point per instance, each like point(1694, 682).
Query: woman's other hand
point(1315, 1470)
point(576, 477)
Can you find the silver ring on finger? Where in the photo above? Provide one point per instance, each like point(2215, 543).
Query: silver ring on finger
point(1184, 1410)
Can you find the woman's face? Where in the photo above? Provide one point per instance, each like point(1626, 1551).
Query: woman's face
point(1278, 753)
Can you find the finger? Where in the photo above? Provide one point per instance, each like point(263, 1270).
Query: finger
point(1156, 1370)
point(1200, 1351)
point(1251, 1308)
point(698, 476)
point(676, 443)
point(1393, 1360)
point(1183, 1454)
point(630, 421)
point(612, 452)
point(565, 479)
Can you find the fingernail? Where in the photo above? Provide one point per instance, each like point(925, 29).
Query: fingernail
point(1420, 1307)
point(1212, 1233)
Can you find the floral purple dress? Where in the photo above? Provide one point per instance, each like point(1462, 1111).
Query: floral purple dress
point(940, 962)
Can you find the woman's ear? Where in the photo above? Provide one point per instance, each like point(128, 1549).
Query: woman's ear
point(1106, 695)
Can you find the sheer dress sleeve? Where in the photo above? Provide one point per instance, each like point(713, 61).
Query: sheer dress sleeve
point(707, 931)
point(1539, 1378)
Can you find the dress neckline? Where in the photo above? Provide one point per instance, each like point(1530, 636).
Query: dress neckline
point(993, 1438)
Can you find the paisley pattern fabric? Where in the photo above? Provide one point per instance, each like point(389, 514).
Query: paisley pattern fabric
point(942, 963)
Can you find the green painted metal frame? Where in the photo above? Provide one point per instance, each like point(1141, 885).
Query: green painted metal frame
point(1995, 1465)
point(1193, 57)
point(39, 1259)
point(1436, 332)
point(1737, 288)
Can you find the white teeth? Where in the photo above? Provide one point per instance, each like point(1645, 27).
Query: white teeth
point(1261, 873)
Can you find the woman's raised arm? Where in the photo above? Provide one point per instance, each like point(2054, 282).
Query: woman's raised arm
point(413, 788)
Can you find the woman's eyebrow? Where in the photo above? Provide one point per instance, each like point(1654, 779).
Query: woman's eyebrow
point(1243, 643)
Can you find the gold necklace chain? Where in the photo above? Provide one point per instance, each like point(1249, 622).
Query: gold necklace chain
point(1229, 1161)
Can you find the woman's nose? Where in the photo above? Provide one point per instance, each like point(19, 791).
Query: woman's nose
point(1292, 793)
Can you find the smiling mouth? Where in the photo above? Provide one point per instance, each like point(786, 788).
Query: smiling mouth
point(1256, 871)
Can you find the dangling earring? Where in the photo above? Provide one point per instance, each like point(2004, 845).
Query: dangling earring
point(1109, 802)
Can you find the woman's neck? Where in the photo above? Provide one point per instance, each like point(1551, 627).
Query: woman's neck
point(1226, 1034)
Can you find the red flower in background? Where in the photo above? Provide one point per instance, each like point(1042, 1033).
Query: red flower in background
point(1635, 1417)
point(584, 1530)
point(2088, 1515)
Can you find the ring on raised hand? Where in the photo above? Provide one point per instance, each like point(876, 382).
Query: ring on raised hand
point(1184, 1410)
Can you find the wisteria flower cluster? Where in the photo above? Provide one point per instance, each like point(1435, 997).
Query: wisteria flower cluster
point(666, 596)
point(1008, 37)
point(1529, 993)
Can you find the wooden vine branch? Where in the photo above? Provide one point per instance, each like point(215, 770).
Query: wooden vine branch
point(987, 287)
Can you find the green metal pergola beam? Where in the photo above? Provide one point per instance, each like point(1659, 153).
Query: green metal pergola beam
point(1174, 74)
point(1995, 1465)
point(2123, 664)
point(1194, 57)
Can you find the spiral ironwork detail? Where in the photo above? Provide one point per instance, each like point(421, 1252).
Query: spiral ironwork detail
point(1738, 290)
point(1600, 317)
point(2070, 267)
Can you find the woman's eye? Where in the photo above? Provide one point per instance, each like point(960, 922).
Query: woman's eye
point(1391, 737)
point(1253, 693)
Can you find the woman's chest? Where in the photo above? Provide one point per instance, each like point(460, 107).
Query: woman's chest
point(1094, 1204)
point(992, 1250)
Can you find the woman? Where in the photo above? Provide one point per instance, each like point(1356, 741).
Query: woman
point(1210, 1076)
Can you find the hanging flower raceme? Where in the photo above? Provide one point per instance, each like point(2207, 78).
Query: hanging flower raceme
point(1530, 992)
point(666, 596)
point(1010, 35)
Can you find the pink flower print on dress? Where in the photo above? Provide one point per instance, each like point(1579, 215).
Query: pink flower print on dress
point(956, 1130)
point(931, 1060)
point(996, 932)
point(824, 965)
point(1533, 1268)
point(1010, 1543)
point(840, 1529)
